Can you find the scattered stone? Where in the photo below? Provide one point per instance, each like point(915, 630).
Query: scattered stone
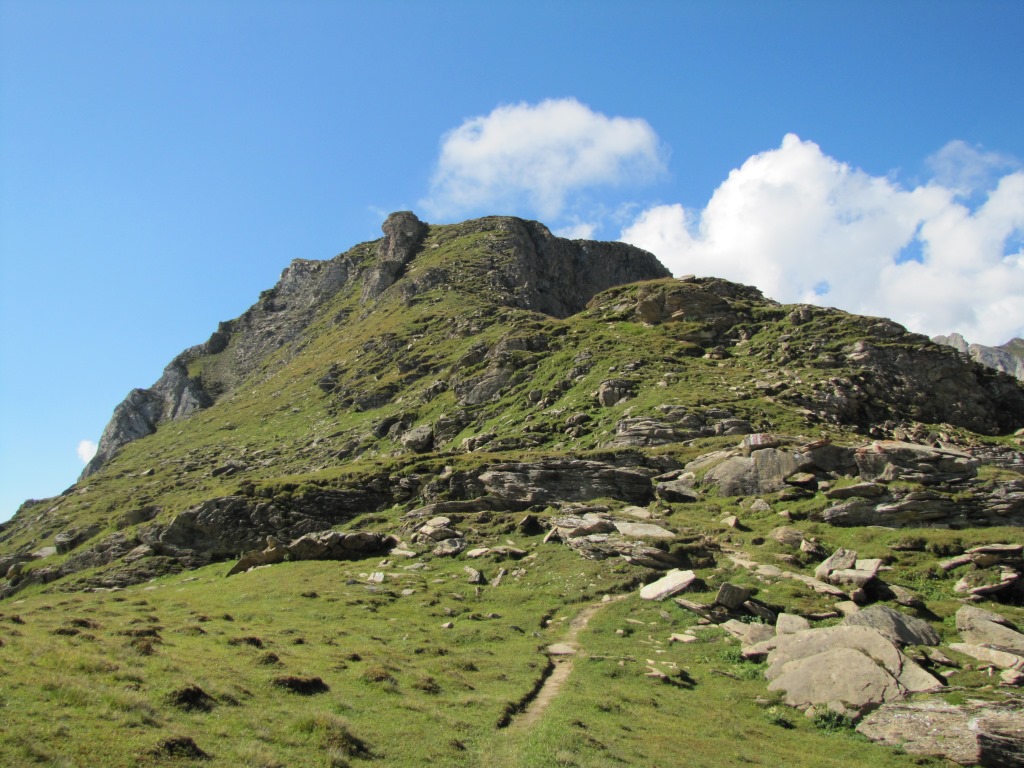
point(674, 582)
point(791, 537)
point(643, 530)
point(474, 576)
point(731, 521)
point(841, 559)
point(748, 634)
point(731, 596)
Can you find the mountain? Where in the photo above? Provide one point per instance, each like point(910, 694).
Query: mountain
point(384, 512)
point(1008, 358)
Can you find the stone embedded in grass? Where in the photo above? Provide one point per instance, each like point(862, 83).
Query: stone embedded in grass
point(304, 686)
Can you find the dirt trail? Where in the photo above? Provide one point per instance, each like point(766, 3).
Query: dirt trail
point(561, 655)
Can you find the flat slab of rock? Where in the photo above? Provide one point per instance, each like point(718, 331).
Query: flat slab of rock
point(748, 634)
point(788, 623)
point(672, 583)
point(981, 627)
point(898, 627)
point(995, 656)
point(976, 733)
point(642, 530)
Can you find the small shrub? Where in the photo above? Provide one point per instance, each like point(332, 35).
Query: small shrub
point(830, 721)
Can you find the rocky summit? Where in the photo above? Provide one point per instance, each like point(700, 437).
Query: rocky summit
point(476, 494)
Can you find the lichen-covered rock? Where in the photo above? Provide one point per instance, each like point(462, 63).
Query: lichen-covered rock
point(976, 733)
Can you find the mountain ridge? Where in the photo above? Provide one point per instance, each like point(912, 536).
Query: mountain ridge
point(403, 467)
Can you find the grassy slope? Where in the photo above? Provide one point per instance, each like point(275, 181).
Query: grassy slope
point(418, 692)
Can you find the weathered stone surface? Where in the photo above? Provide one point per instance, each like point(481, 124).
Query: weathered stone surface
point(893, 460)
point(614, 391)
point(839, 560)
point(676, 492)
point(642, 530)
point(789, 623)
point(748, 634)
point(732, 596)
point(791, 537)
point(980, 627)
point(556, 480)
point(857, 491)
point(976, 733)
point(336, 545)
point(842, 678)
point(403, 233)
point(995, 656)
point(764, 471)
point(419, 439)
point(857, 668)
point(644, 431)
point(672, 583)
point(898, 627)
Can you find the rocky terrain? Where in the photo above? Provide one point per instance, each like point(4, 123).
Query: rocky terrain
point(476, 468)
point(1008, 357)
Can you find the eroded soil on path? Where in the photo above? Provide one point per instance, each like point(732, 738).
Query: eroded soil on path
point(561, 655)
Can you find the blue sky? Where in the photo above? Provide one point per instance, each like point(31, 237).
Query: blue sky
point(162, 162)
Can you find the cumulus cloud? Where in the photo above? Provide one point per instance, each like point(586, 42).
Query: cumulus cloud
point(86, 450)
point(535, 156)
point(805, 227)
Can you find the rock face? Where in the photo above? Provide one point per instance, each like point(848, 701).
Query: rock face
point(544, 273)
point(1008, 358)
point(566, 480)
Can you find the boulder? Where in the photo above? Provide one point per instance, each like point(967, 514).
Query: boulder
point(854, 666)
point(976, 733)
point(555, 480)
point(898, 627)
point(764, 471)
point(981, 627)
point(841, 559)
point(642, 530)
point(672, 583)
point(614, 391)
point(419, 439)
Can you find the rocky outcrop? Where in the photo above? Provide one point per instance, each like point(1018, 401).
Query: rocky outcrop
point(976, 733)
point(848, 669)
point(403, 233)
point(1008, 358)
point(556, 480)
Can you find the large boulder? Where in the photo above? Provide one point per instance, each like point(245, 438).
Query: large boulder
point(849, 669)
point(977, 733)
point(554, 480)
point(898, 627)
point(764, 471)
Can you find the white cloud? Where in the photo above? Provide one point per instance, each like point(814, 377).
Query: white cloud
point(581, 230)
point(86, 450)
point(536, 156)
point(968, 170)
point(802, 226)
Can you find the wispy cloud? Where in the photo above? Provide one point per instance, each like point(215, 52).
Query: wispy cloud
point(534, 157)
point(803, 226)
point(86, 450)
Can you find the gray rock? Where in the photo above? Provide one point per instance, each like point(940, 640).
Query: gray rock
point(980, 627)
point(789, 623)
point(555, 480)
point(764, 471)
point(642, 530)
point(672, 583)
point(614, 391)
point(676, 492)
point(419, 439)
point(839, 560)
point(976, 733)
point(403, 233)
point(732, 596)
point(898, 627)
